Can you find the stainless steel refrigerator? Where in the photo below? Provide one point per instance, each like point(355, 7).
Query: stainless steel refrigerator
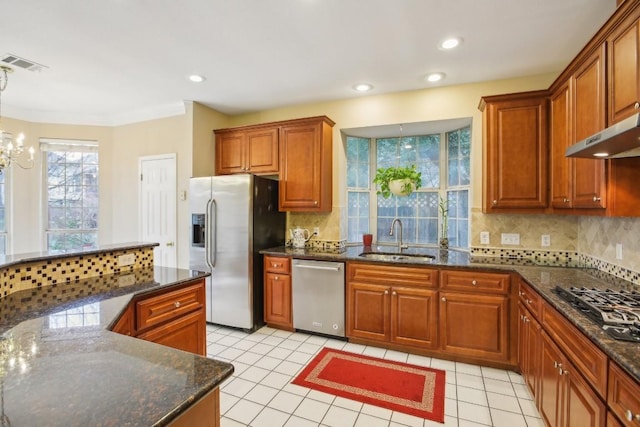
point(233, 217)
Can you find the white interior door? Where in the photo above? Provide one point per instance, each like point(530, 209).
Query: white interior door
point(158, 207)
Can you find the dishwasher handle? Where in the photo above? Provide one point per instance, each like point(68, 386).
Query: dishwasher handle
point(335, 267)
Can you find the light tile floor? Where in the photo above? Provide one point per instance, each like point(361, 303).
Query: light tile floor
point(260, 394)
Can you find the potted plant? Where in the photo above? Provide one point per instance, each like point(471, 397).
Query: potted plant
point(398, 180)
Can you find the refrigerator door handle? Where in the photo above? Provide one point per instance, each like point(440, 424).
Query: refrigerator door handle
point(212, 233)
point(207, 234)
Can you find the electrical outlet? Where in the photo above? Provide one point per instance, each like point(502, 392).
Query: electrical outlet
point(316, 230)
point(126, 259)
point(510, 238)
point(127, 280)
point(545, 240)
point(484, 238)
point(619, 251)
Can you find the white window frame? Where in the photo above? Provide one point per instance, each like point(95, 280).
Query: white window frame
point(59, 144)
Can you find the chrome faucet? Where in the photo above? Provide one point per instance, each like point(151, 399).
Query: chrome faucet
point(401, 245)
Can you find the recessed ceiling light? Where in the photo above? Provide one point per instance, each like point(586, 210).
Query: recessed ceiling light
point(434, 77)
point(450, 43)
point(363, 87)
point(196, 78)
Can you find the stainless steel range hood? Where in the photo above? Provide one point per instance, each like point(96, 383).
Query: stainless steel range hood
point(619, 140)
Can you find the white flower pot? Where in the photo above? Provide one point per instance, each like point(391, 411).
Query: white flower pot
point(397, 187)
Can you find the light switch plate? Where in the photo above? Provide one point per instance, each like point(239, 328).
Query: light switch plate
point(484, 238)
point(545, 240)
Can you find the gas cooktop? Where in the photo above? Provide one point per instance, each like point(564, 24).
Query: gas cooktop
point(617, 311)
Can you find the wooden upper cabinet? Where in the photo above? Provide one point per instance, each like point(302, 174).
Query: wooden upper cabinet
point(623, 46)
point(560, 137)
point(515, 135)
point(306, 165)
point(588, 86)
point(247, 151)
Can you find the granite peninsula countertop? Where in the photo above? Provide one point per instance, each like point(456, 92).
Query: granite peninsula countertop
point(60, 365)
point(542, 275)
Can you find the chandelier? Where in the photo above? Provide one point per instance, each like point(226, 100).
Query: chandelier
point(11, 152)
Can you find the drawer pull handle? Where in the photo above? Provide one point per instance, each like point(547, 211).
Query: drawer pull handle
point(176, 304)
point(473, 282)
point(630, 416)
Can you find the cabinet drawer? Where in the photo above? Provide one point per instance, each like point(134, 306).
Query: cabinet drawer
point(170, 305)
point(530, 299)
point(471, 280)
point(589, 360)
point(391, 275)
point(624, 396)
point(274, 264)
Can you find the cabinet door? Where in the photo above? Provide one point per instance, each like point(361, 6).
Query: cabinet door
point(185, 333)
point(125, 324)
point(551, 399)
point(529, 332)
point(414, 317)
point(582, 407)
point(475, 325)
point(516, 165)
point(368, 312)
point(560, 138)
point(230, 153)
point(624, 70)
point(262, 151)
point(589, 190)
point(277, 300)
point(624, 396)
point(306, 167)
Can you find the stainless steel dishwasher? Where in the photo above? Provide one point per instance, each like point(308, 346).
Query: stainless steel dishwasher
point(318, 296)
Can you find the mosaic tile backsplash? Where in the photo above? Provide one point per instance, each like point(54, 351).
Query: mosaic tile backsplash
point(49, 272)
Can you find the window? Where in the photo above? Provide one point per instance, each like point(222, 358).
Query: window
point(443, 158)
point(71, 170)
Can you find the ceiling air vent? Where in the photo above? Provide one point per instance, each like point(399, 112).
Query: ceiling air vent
point(16, 61)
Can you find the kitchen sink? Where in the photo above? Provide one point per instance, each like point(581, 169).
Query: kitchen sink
point(388, 256)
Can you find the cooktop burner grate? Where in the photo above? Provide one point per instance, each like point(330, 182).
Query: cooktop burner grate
point(617, 311)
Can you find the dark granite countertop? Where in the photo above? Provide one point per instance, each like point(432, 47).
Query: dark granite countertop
point(60, 365)
point(542, 275)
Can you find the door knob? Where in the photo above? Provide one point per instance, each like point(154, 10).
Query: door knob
point(170, 243)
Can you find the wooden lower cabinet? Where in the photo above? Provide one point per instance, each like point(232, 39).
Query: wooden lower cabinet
point(174, 316)
point(623, 396)
point(529, 336)
point(405, 316)
point(566, 399)
point(203, 413)
point(475, 325)
point(278, 309)
point(187, 333)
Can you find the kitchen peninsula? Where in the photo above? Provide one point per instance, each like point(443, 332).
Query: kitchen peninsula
point(60, 361)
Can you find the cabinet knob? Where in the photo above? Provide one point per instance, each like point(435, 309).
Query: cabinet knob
point(520, 293)
point(636, 105)
point(315, 202)
point(176, 304)
point(529, 301)
point(596, 199)
point(394, 293)
point(386, 292)
point(556, 364)
point(473, 282)
point(495, 202)
point(276, 278)
point(630, 416)
point(444, 299)
point(565, 200)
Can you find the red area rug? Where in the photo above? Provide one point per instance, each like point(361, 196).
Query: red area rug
point(398, 386)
